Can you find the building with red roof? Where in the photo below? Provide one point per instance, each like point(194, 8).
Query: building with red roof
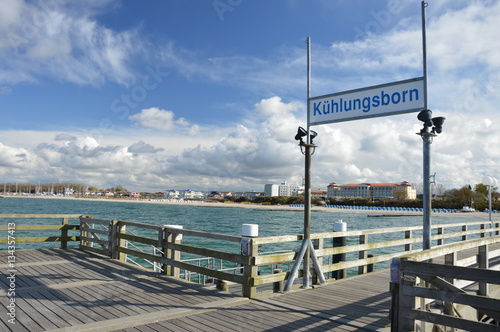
point(372, 191)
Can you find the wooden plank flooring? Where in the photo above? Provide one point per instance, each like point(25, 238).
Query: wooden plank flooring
point(70, 290)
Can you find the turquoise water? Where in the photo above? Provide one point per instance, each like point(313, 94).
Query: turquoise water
point(207, 218)
point(211, 219)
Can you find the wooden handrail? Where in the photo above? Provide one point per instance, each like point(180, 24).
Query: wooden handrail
point(63, 228)
point(110, 237)
point(441, 285)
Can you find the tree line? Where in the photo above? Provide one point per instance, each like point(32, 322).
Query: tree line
point(55, 188)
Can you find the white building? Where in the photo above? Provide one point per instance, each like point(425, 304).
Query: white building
point(183, 194)
point(170, 194)
point(372, 191)
point(249, 194)
point(283, 189)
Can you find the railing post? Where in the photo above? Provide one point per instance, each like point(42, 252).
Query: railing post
point(339, 226)
point(172, 254)
point(483, 263)
point(278, 286)
point(158, 249)
point(409, 246)
point(450, 259)
point(363, 254)
point(464, 229)
point(440, 231)
point(115, 242)
point(64, 233)
point(83, 234)
point(122, 243)
point(406, 302)
point(250, 250)
point(394, 289)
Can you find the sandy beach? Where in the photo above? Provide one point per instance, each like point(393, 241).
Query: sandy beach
point(474, 215)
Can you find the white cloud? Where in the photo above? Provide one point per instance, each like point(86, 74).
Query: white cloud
point(141, 147)
point(263, 150)
point(157, 119)
point(194, 130)
point(53, 40)
point(464, 76)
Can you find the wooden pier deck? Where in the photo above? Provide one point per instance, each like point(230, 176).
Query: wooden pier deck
point(71, 290)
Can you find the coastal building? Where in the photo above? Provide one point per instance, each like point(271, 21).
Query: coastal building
point(215, 194)
point(249, 194)
point(171, 194)
point(183, 194)
point(319, 193)
point(315, 193)
point(283, 189)
point(69, 192)
point(372, 191)
point(131, 194)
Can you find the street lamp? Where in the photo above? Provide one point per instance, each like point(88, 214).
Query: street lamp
point(301, 133)
point(490, 182)
point(432, 127)
point(306, 250)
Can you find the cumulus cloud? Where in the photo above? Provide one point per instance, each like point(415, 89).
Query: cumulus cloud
point(157, 119)
point(263, 150)
point(260, 148)
point(14, 157)
point(141, 147)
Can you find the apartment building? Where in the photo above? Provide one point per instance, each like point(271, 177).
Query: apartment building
point(372, 191)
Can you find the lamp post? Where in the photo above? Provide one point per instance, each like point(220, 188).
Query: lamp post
point(306, 252)
point(490, 182)
point(432, 127)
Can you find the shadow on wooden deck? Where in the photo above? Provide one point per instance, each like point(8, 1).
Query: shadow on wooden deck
point(70, 290)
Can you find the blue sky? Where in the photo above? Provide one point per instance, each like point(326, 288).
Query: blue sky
point(208, 94)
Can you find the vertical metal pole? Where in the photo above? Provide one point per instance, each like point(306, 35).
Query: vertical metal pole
point(489, 201)
point(424, 52)
point(307, 178)
point(427, 139)
point(308, 41)
point(304, 254)
point(307, 216)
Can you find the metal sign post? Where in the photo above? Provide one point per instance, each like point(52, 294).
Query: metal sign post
point(306, 252)
point(427, 140)
point(375, 101)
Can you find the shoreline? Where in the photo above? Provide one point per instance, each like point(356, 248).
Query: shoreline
point(374, 213)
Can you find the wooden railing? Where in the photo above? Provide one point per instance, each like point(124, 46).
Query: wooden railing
point(263, 258)
point(265, 262)
point(14, 226)
point(454, 293)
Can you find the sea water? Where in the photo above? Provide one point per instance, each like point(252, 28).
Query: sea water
point(227, 220)
point(208, 218)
